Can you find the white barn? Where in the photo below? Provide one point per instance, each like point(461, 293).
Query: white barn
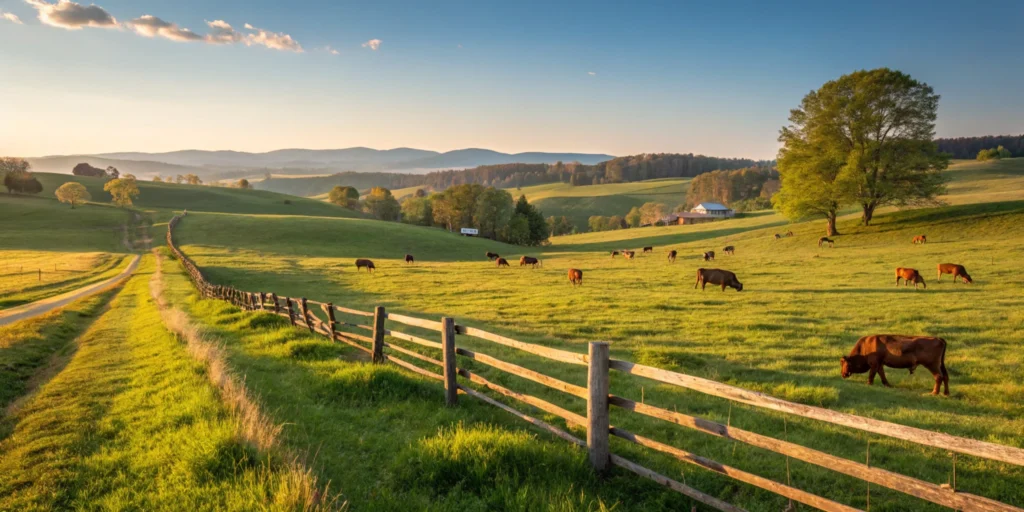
point(713, 210)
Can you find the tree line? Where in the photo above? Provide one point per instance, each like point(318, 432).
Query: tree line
point(968, 147)
point(744, 189)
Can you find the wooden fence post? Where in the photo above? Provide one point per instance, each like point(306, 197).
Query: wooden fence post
point(277, 305)
point(451, 386)
point(291, 312)
point(263, 298)
point(306, 315)
point(597, 406)
point(378, 334)
point(331, 322)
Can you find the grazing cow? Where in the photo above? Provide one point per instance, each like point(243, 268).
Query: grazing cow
point(492, 255)
point(919, 239)
point(826, 240)
point(719, 277)
point(909, 275)
point(730, 250)
point(576, 277)
point(778, 236)
point(709, 256)
point(629, 254)
point(789, 234)
point(872, 353)
point(361, 262)
point(648, 249)
point(502, 262)
point(529, 260)
point(615, 253)
point(409, 258)
point(956, 270)
point(672, 256)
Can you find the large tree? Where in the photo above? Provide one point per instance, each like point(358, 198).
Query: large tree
point(493, 211)
point(866, 139)
point(72, 193)
point(344, 196)
point(17, 177)
point(122, 190)
point(382, 205)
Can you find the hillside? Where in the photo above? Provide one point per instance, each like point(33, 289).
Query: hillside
point(579, 203)
point(169, 196)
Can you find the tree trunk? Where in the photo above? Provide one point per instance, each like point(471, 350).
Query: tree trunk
point(832, 225)
point(869, 212)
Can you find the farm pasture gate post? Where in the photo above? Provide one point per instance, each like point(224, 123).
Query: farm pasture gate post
point(597, 406)
point(451, 386)
point(379, 315)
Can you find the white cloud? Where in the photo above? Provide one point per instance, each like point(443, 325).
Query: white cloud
point(373, 44)
point(11, 17)
point(151, 26)
point(331, 50)
point(591, 73)
point(72, 16)
point(272, 40)
point(221, 32)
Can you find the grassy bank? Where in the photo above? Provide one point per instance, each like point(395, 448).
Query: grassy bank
point(27, 276)
point(131, 423)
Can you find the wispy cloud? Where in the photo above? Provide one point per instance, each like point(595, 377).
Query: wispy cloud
point(272, 40)
point(591, 73)
point(72, 16)
point(151, 26)
point(373, 44)
point(221, 32)
point(11, 17)
point(329, 49)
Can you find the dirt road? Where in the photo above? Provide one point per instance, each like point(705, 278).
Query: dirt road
point(43, 306)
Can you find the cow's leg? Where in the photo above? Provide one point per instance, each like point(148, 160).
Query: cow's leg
point(723, 287)
point(938, 382)
point(881, 373)
point(945, 376)
point(897, 281)
point(871, 376)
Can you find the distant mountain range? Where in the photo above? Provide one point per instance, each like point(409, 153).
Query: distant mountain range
point(233, 164)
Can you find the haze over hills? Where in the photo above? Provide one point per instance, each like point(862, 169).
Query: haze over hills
point(234, 164)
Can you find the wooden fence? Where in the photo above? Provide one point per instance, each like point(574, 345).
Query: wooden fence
point(301, 313)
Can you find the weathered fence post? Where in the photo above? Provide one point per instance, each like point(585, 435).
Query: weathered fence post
point(291, 312)
point(331, 322)
point(277, 305)
point(597, 406)
point(305, 314)
point(378, 334)
point(263, 298)
point(451, 386)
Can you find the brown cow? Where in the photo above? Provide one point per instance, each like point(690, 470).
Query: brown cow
point(529, 260)
point(778, 236)
point(672, 256)
point(716, 276)
point(909, 275)
point(730, 250)
point(492, 255)
point(826, 240)
point(919, 239)
point(648, 249)
point(956, 270)
point(360, 263)
point(709, 256)
point(502, 262)
point(409, 258)
point(629, 254)
point(872, 353)
point(615, 253)
point(576, 277)
point(789, 234)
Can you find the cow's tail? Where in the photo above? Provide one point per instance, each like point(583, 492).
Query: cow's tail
point(942, 365)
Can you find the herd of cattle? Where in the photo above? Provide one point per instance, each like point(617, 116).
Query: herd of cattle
point(870, 354)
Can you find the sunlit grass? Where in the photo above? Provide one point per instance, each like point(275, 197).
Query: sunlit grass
point(27, 276)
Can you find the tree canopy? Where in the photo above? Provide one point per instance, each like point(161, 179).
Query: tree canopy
point(122, 190)
point(382, 205)
point(18, 178)
point(72, 193)
point(865, 138)
point(996, 153)
point(344, 196)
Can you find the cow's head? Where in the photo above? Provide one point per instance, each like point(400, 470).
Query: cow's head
point(850, 365)
point(967, 279)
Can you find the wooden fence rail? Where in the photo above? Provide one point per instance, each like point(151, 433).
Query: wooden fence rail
point(599, 399)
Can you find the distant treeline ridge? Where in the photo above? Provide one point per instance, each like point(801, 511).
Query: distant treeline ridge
point(968, 147)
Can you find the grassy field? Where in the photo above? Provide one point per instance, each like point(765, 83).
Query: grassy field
point(130, 423)
point(27, 276)
point(167, 196)
point(801, 310)
point(995, 180)
point(579, 203)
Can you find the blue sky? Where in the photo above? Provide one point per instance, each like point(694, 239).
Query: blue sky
point(619, 77)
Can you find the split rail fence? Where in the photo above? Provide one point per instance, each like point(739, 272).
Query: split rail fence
point(300, 312)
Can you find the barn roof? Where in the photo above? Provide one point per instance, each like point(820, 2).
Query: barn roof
point(712, 206)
